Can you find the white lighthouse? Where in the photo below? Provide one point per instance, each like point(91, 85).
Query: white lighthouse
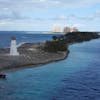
point(13, 47)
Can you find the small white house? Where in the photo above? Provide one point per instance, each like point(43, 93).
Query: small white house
point(13, 47)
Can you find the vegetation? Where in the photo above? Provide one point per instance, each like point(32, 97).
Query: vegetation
point(55, 38)
point(55, 46)
point(60, 43)
point(80, 36)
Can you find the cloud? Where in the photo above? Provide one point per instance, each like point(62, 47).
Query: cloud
point(8, 14)
point(64, 3)
point(4, 23)
point(40, 11)
point(18, 9)
point(62, 17)
point(97, 14)
point(46, 3)
point(93, 16)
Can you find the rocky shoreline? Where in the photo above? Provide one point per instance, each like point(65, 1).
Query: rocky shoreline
point(35, 54)
point(31, 54)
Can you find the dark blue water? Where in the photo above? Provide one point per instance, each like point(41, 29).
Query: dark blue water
point(22, 37)
point(75, 78)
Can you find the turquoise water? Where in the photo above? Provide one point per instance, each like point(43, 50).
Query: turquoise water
point(75, 78)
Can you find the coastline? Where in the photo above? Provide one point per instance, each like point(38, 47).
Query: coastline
point(31, 65)
point(33, 54)
point(29, 57)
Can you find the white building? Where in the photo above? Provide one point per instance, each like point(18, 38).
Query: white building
point(13, 47)
point(74, 29)
point(66, 29)
point(56, 29)
point(69, 29)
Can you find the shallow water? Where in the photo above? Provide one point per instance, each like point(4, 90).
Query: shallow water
point(75, 78)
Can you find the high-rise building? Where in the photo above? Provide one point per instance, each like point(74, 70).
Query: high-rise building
point(66, 29)
point(56, 29)
point(74, 29)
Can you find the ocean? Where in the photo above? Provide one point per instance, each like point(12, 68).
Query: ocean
point(75, 78)
point(22, 37)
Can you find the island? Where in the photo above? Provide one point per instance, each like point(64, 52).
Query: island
point(36, 54)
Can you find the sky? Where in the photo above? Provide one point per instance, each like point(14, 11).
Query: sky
point(43, 15)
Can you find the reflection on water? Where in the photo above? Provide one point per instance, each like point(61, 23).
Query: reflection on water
point(75, 78)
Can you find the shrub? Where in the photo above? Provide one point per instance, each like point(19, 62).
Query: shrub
point(55, 46)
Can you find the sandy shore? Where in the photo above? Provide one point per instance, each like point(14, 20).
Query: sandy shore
point(31, 54)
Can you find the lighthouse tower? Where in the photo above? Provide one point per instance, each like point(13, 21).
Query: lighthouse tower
point(13, 47)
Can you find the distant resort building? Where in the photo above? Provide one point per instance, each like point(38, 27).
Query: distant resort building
point(13, 47)
point(68, 29)
point(56, 29)
point(74, 29)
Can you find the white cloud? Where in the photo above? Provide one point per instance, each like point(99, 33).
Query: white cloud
point(62, 17)
point(43, 3)
point(3, 23)
point(22, 6)
point(66, 3)
point(12, 10)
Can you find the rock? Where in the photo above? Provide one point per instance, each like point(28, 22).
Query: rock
point(30, 54)
point(2, 76)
